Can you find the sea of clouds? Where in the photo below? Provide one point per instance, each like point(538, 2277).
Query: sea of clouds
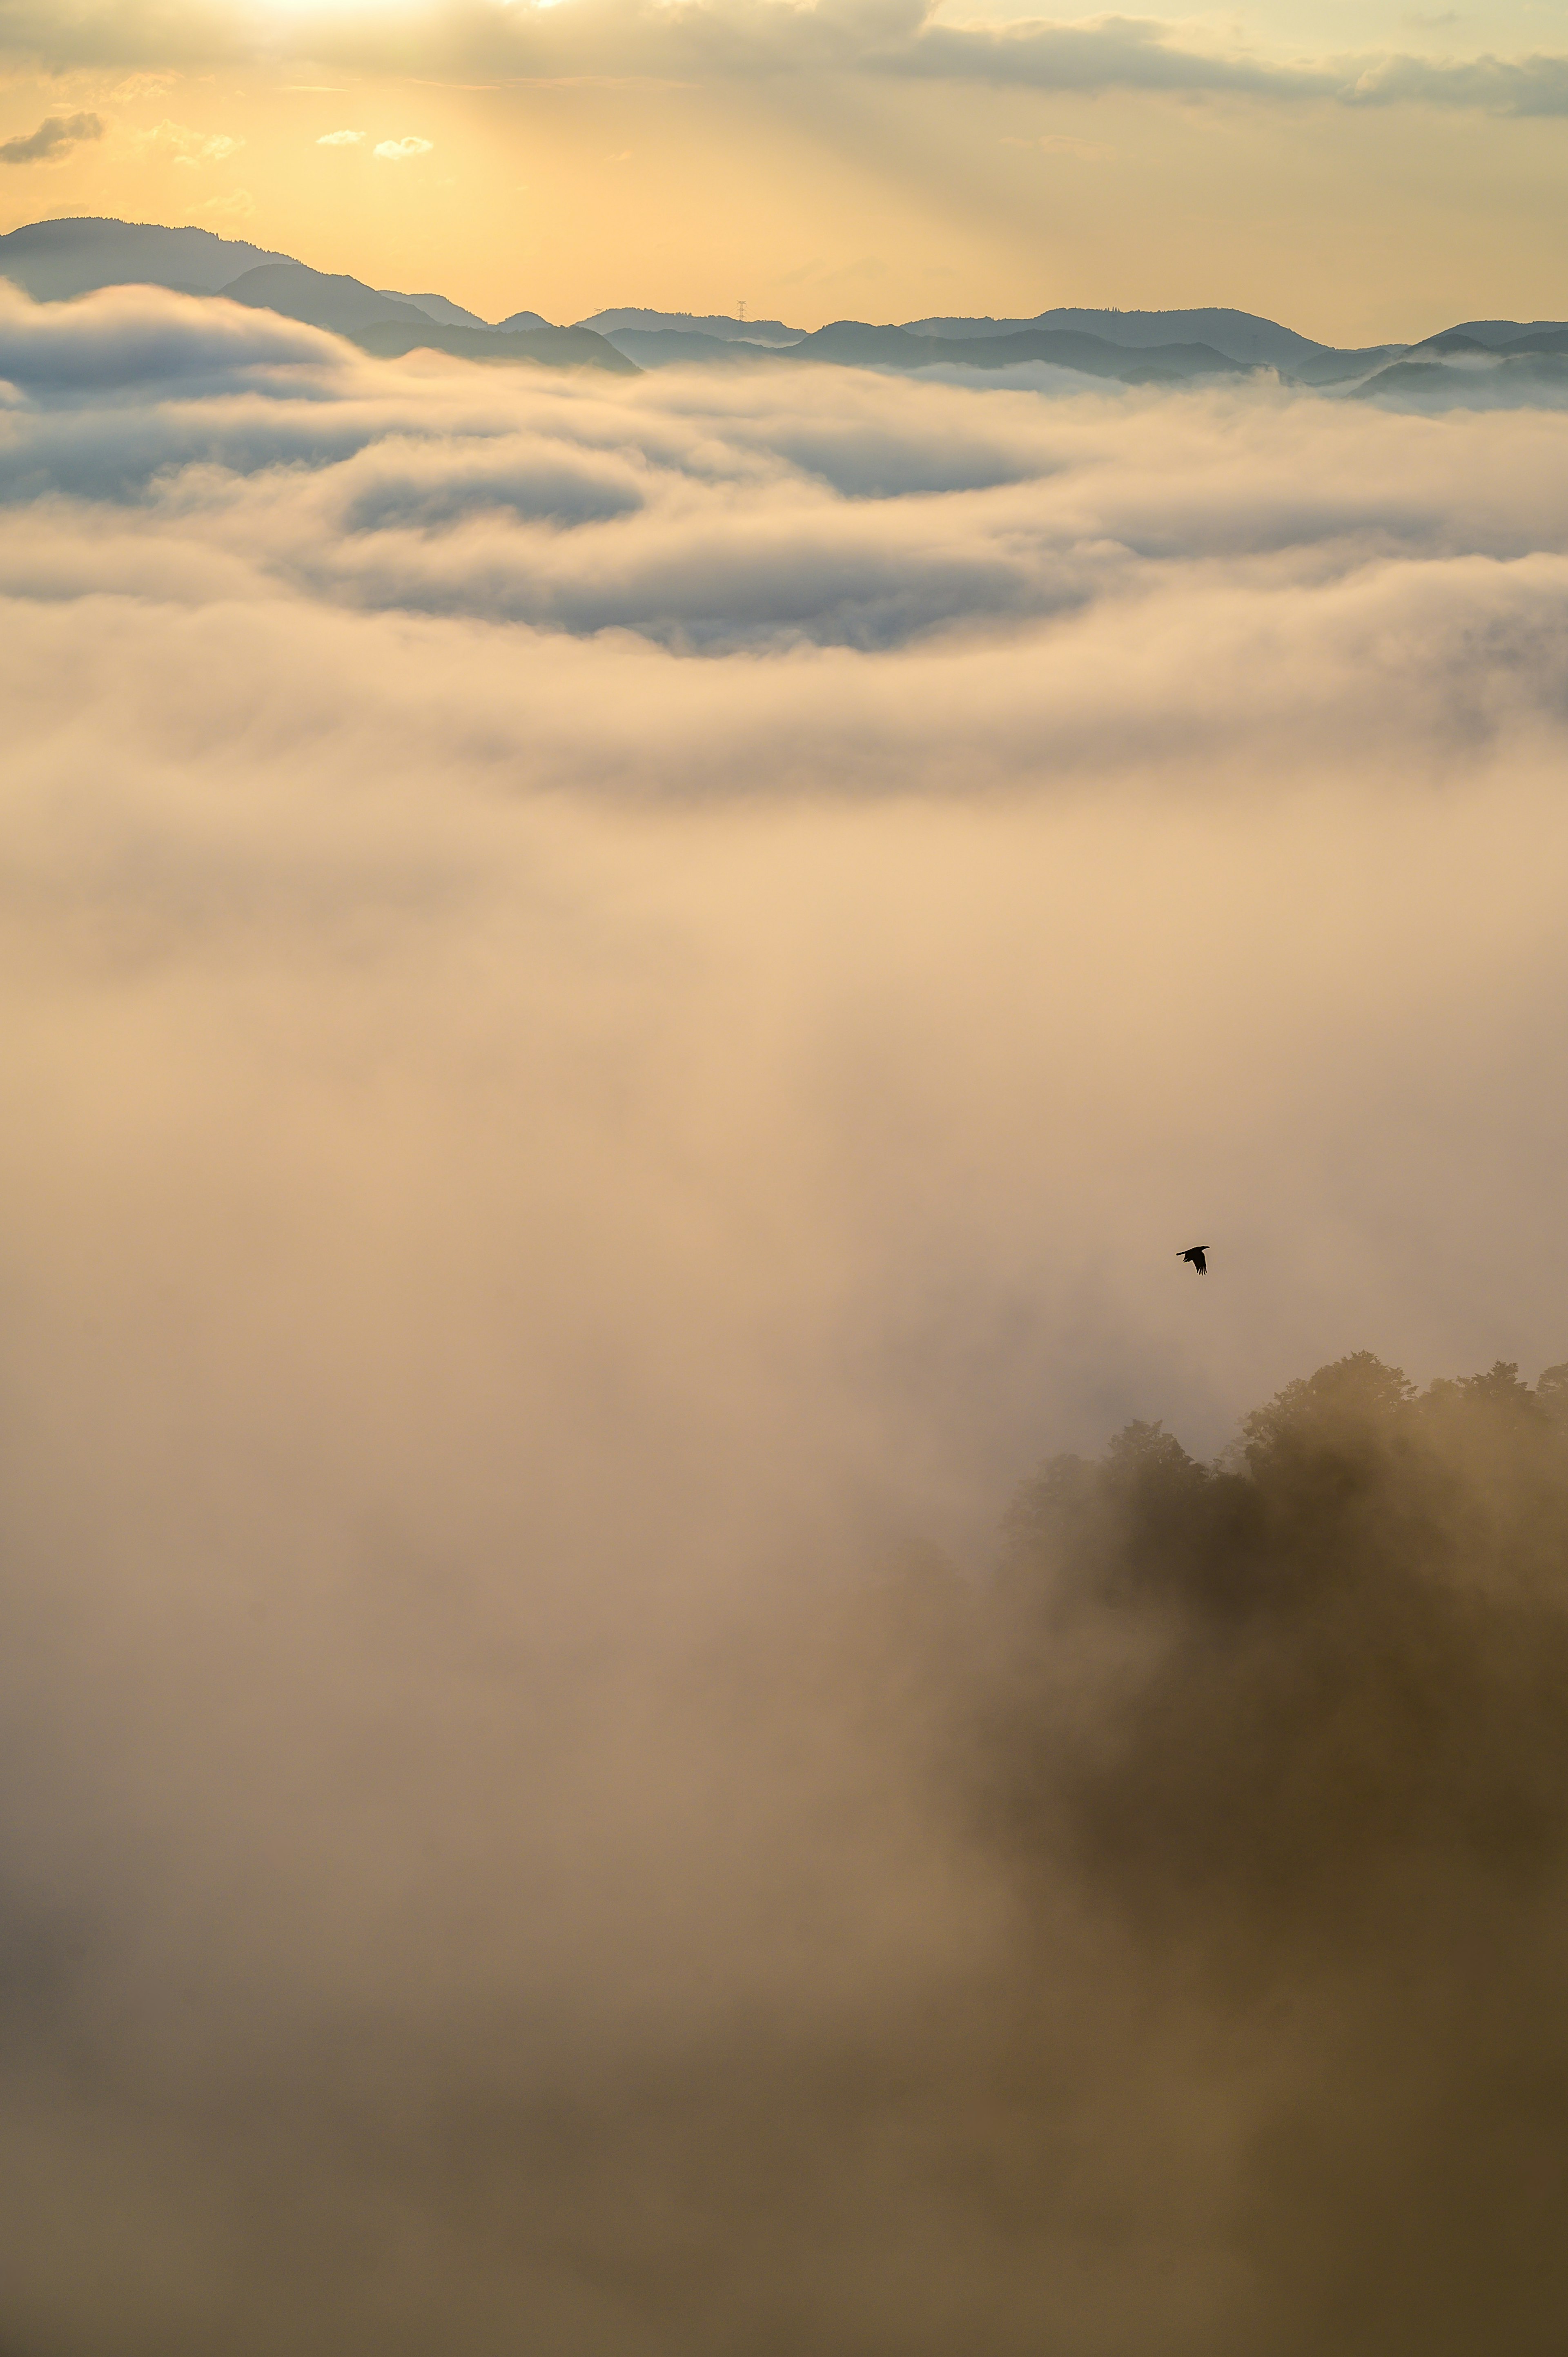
point(619, 995)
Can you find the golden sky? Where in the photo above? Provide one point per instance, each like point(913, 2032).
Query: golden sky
point(1362, 174)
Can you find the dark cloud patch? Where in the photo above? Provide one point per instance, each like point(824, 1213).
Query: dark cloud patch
point(1521, 86)
point(748, 40)
point(542, 486)
point(1112, 53)
point(56, 135)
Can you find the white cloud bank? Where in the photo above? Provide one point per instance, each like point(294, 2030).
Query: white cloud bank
point(617, 989)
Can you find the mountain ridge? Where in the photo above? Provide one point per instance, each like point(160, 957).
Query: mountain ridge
point(716, 325)
point(57, 260)
point(54, 260)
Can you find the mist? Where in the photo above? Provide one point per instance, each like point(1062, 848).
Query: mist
point(620, 997)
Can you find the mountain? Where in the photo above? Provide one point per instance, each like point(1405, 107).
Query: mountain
point(543, 347)
point(436, 307)
point(390, 326)
point(322, 298)
point(53, 259)
point(1240, 334)
point(853, 343)
point(860, 345)
point(1452, 340)
point(1170, 363)
point(1494, 333)
point(1505, 337)
point(856, 343)
point(1478, 361)
point(685, 348)
point(1332, 365)
point(715, 325)
point(1519, 377)
point(1095, 342)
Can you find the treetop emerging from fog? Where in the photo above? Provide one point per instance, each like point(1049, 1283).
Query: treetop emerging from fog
point(1342, 1728)
point(1337, 1474)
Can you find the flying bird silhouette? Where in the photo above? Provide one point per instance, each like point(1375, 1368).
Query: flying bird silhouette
point(1194, 1253)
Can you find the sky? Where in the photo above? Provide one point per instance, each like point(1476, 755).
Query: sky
point(1363, 173)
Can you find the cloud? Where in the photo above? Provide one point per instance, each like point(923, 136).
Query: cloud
point(1085, 151)
point(187, 149)
point(55, 136)
point(1105, 54)
point(618, 995)
point(235, 205)
point(723, 40)
point(398, 151)
point(341, 139)
point(833, 509)
point(121, 338)
point(1524, 86)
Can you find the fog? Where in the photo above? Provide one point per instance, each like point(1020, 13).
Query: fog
point(619, 998)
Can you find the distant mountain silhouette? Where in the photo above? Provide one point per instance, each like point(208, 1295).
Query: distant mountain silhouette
point(53, 259)
point(436, 307)
point(390, 326)
point(1091, 355)
point(544, 347)
point(1235, 334)
point(1463, 362)
point(1333, 366)
point(715, 325)
point(1240, 334)
point(664, 340)
point(684, 348)
point(321, 299)
point(1488, 336)
point(856, 343)
point(852, 341)
point(1452, 340)
point(1496, 333)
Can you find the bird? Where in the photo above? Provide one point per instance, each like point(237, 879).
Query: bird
point(1194, 1253)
